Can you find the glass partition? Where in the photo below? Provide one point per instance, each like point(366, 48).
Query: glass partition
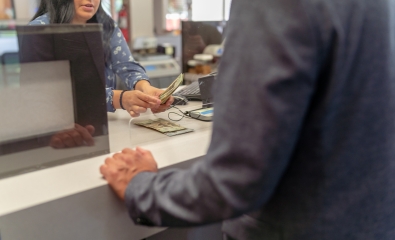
point(52, 96)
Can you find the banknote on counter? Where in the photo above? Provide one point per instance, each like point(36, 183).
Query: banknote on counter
point(170, 89)
point(164, 126)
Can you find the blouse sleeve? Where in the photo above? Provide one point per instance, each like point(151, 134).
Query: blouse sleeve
point(41, 20)
point(122, 62)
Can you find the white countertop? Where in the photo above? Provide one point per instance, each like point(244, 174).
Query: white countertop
point(31, 189)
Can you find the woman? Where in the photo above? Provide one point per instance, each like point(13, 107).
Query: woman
point(118, 59)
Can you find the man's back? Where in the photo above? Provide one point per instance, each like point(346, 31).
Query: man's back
point(339, 182)
point(304, 128)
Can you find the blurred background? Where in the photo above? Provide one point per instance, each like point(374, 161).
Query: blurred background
point(166, 36)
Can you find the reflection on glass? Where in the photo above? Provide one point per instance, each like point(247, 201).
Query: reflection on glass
point(52, 97)
point(75, 137)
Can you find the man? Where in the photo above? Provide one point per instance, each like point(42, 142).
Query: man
point(309, 154)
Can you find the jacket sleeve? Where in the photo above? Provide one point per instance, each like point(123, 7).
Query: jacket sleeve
point(263, 91)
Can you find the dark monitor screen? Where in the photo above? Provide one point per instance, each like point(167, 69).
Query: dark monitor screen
point(51, 86)
point(206, 90)
point(196, 36)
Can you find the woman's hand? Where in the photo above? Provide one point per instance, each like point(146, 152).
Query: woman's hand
point(137, 102)
point(146, 87)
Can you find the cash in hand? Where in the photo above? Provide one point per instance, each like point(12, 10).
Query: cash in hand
point(170, 89)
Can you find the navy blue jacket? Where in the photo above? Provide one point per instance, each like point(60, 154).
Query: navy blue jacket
point(303, 143)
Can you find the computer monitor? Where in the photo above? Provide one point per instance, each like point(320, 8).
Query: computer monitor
point(54, 82)
point(196, 36)
point(206, 89)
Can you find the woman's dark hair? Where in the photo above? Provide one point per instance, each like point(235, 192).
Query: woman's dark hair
point(62, 11)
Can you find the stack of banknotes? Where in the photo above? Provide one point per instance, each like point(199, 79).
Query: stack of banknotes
point(170, 90)
point(164, 126)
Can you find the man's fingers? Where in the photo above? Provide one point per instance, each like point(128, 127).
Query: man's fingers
point(118, 156)
point(103, 170)
point(144, 152)
point(129, 156)
point(114, 162)
point(147, 159)
point(125, 159)
point(139, 153)
point(109, 160)
point(127, 151)
point(141, 150)
point(121, 157)
point(109, 172)
point(122, 167)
